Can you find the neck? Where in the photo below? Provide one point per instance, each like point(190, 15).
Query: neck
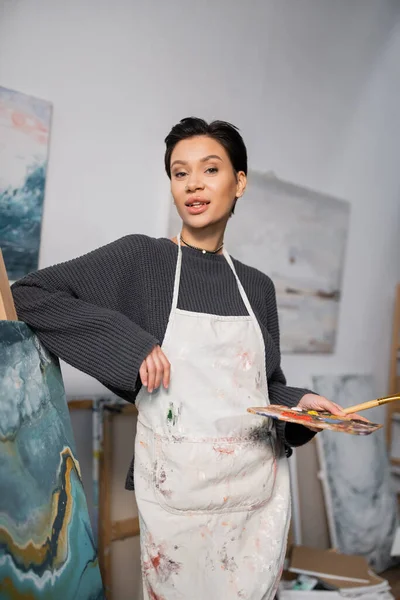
point(209, 238)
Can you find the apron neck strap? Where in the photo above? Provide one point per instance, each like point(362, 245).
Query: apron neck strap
point(178, 279)
point(239, 283)
point(177, 275)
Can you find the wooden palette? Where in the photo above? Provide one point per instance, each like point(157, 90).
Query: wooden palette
point(313, 418)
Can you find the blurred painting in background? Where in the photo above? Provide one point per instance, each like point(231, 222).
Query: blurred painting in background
point(24, 147)
point(298, 238)
point(355, 475)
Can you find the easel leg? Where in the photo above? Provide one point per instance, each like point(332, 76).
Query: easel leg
point(105, 525)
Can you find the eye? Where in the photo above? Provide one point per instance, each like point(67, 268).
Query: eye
point(179, 174)
point(212, 170)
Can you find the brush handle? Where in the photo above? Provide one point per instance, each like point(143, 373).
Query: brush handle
point(370, 404)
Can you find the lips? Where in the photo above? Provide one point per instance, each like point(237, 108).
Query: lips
point(196, 206)
point(196, 202)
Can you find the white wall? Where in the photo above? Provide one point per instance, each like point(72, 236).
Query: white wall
point(313, 84)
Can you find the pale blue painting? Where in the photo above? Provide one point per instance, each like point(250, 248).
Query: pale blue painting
point(298, 237)
point(24, 142)
point(47, 550)
point(361, 505)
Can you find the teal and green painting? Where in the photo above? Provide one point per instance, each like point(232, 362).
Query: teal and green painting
point(47, 550)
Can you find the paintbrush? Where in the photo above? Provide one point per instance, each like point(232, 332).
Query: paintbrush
point(370, 404)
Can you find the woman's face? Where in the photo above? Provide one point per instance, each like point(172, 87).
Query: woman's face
point(203, 182)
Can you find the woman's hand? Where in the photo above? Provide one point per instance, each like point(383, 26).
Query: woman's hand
point(155, 369)
point(314, 402)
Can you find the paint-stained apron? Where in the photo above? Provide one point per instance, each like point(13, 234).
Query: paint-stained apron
point(211, 480)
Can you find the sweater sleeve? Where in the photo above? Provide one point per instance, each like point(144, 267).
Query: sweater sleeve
point(279, 392)
point(61, 304)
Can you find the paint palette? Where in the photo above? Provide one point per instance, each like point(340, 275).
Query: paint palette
point(313, 418)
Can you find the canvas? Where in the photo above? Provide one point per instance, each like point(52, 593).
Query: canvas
point(24, 144)
point(361, 506)
point(47, 549)
point(297, 237)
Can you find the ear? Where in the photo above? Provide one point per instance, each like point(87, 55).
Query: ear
point(241, 184)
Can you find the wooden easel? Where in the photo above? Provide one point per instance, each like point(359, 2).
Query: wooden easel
point(7, 308)
point(109, 531)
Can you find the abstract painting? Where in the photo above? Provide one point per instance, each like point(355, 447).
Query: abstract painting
point(361, 506)
point(24, 144)
point(47, 548)
point(298, 238)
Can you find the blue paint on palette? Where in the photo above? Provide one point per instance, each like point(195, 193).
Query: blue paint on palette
point(24, 133)
point(47, 549)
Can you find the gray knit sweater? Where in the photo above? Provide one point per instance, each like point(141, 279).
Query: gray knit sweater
point(104, 312)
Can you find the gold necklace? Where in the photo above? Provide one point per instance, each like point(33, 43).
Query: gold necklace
point(202, 249)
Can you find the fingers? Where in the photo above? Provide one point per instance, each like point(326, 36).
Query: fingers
point(151, 372)
point(166, 369)
point(155, 370)
point(338, 409)
point(357, 417)
point(320, 403)
point(143, 373)
point(332, 407)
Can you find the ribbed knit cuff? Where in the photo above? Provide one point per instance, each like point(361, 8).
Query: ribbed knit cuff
point(143, 346)
point(291, 434)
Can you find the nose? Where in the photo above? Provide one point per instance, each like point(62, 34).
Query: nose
point(194, 183)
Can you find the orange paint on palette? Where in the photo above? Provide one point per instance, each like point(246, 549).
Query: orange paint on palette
point(300, 416)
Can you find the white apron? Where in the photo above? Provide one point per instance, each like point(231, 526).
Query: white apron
point(211, 480)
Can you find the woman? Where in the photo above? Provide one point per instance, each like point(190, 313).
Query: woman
point(192, 336)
